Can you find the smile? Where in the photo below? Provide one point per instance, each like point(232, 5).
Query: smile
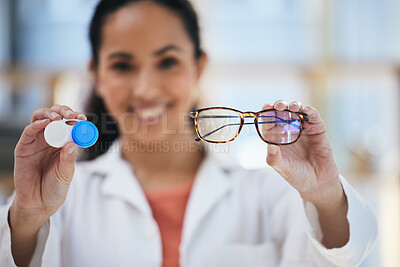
point(150, 113)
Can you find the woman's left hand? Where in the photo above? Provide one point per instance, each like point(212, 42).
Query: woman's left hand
point(308, 165)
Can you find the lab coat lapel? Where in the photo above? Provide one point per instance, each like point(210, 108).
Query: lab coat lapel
point(211, 184)
point(120, 181)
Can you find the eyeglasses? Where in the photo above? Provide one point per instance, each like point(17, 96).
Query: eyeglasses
point(223, 125)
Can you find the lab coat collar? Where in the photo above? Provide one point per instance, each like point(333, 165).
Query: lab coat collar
point(119, 179)
point(212, 182)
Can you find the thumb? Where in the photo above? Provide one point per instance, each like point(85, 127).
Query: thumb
point(276, 161)
point(66, 165)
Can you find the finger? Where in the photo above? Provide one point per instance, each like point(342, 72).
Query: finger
point(267, 106)
point(57, 112)
point(280, 105)
point(275, 160)
point(81, 116)
point(30, 132)
point(45, 113)
point(295, 106)
point(313, 115)
point(66, 166)
point(66, 112)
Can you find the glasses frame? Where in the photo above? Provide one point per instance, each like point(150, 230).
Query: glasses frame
point(195, 113)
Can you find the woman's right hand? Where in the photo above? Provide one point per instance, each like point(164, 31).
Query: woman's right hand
point(42, 174)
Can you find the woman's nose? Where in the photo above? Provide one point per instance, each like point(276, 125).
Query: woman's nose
point(146, 86)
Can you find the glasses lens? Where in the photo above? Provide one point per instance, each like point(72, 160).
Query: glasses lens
point(218, 125)
point(279, 127)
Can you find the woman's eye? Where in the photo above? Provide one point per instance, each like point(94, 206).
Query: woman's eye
point(121, 67)
point(168, 63)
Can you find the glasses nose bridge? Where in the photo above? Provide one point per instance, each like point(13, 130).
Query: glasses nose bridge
point(248, 114)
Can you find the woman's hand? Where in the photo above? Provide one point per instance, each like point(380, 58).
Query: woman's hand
point(42, 174)
point(308, 165)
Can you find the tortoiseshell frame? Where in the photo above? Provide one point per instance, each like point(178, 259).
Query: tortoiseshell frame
point(303, 118)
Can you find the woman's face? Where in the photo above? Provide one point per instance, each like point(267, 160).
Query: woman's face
point(147, 72)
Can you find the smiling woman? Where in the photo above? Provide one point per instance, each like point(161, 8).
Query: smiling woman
point(159, 72)
point(155, 198)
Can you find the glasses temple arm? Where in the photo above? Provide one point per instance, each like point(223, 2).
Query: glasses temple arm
point(267, 122)
point(220, 128)
point(232, 124)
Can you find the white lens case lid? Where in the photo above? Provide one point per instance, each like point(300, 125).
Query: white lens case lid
point(58, 133)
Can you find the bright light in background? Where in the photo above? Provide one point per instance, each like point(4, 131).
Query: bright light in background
point(67, 90)
point(253, 153)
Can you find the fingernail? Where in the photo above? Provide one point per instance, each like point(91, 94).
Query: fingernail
point(273, 150)
point(53, 115)
point(71, 150)
point(82, 116)
point(69, 112)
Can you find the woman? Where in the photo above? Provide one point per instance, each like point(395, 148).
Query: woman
point(168, 207)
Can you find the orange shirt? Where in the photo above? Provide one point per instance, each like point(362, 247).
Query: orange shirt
point(168, 208)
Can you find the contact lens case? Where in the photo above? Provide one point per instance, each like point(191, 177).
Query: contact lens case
point(59, 133)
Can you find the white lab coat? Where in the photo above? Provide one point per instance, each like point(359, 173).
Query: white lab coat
point(234, 217)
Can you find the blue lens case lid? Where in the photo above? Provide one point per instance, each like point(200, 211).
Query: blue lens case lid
point(85, 134)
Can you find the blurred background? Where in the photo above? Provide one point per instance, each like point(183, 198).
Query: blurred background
point(340, 56)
